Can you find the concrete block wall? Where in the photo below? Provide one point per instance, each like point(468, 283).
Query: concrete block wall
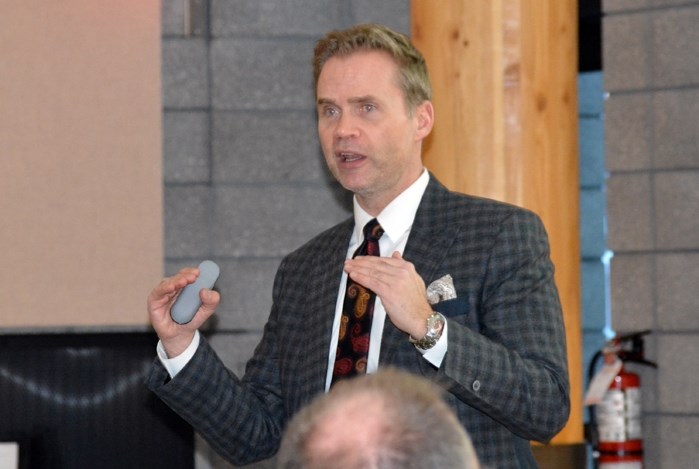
point(651, 70)
point(245, 181)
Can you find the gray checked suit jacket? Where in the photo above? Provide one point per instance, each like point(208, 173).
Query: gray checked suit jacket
point(505, 371)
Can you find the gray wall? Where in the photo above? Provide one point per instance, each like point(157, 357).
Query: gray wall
point(245, 182)
point(651, 68)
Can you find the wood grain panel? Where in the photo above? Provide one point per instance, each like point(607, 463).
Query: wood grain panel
point(504, 76)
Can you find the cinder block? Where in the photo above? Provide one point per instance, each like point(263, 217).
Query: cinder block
point(186, 146)
point(273, 18)
point(609, 6)
point(187, 225)
point(185, 76)
point(262, 74)
point(245, 285)
point(678, 375)
point(676, 128)
point(675, 46)
point(678, 278)
point(172, 19)
point(651, 440)
point(678, 441)
point(627, 132)
point(677, 209)
point(267, 147)
point(626, 51)
point(631, 282)
point(671, 2)
point(271, 220)
point(393, 13)
point(629, 214)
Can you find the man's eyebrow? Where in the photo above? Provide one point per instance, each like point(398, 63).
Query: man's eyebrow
point(363, 99)
point(358, 99)
point(323, 101)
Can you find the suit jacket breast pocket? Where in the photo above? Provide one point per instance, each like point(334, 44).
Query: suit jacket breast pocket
point(452, 308)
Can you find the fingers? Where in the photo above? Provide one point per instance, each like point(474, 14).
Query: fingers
point(209, 302)
point(378, 268)
point(398, 284)
point(162, 297)
point(181, 279)
point(175, 283)
point(386, 276)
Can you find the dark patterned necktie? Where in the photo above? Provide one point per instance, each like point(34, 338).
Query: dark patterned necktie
point(357, 313)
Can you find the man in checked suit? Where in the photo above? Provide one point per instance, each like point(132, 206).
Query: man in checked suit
point(496, 344)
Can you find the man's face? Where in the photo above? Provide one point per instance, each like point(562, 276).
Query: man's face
point(370, 142)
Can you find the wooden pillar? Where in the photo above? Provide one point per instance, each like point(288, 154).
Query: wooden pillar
point(504, 75)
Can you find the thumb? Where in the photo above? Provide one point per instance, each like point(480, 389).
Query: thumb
point(209, 302)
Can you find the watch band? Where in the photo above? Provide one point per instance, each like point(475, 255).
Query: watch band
point(435, 326)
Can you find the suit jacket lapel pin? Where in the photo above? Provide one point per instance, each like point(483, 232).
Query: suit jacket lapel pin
point(441, 289)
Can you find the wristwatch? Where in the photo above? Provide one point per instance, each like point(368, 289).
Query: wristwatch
point(435, 326)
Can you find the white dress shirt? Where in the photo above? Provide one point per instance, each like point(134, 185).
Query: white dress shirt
point(396, 219)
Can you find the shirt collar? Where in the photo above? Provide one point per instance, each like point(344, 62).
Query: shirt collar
point(397, 217)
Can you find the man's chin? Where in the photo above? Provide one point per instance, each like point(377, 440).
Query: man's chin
point(354, 184)
point(360, 190)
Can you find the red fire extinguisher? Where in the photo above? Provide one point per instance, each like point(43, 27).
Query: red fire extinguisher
point(614, 396)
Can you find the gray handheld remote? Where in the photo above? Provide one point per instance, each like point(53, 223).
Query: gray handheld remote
point(188, 302)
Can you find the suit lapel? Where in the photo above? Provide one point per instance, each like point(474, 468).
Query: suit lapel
point(324, 282)
point(431, 236)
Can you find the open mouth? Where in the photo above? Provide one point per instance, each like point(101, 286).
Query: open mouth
point(349, 157)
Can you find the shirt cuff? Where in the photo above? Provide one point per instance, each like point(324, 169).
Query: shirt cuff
point(177, 364)
point(435, 355)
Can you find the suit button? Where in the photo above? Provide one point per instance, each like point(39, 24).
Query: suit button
point(476, 385)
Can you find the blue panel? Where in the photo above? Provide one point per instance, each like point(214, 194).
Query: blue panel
point(593, 210)
point(594, 295)
point(591, 147)
point(590, 93)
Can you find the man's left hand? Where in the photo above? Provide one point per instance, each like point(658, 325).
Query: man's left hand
point(400, 287)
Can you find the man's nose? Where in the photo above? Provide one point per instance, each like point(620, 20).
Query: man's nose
point(346, 126)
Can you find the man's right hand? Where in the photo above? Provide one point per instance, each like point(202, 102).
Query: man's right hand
point(175, 337)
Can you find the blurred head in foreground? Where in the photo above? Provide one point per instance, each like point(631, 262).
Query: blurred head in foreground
point(387, 420)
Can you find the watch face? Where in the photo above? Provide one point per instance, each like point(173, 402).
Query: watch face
point(435, 323)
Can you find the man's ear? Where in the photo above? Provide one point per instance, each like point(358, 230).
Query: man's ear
point(424, 116)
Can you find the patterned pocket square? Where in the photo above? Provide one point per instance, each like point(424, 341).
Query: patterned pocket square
point(441, 289)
